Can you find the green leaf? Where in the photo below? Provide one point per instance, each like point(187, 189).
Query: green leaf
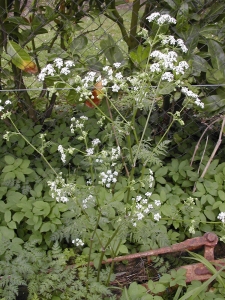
point(7, 216)
point(166, 88)
point(18, 216)
point(210, 215)
point(38, 189)
point(79, 43)
point(20, 58)
point(46, 227)
point(20, 176)
point(111, 50)
point(123, 249)
point(221, 195)
point(9, 176)
point(8, 169)
point(9, 159)
point(217, 55)
point(7, 232)
point(12, 225)
point(41, 208)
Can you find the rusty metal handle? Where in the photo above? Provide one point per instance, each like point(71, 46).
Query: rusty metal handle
point(209, 240)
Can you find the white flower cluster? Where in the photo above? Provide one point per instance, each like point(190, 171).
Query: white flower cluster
point(58, 191)
point(192, 95)
point(167, 61)
point(78, 242)
point(79, 124)
point(89, 200)
point(63, 155)
point(190, 202)
point(151, 178)
point(170, 40)
point(115, 153)
point(143, 208)
point(63, 68)
point(7, 102)
point(192, 227)
point(89, 151)
point(161, 19)
point(108, 178)
point(221, 217)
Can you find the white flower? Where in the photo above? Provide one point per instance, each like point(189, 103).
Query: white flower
point(95, 142)
point(104, 82)
point(221, 217)
point(157, 202)
point(181, 67)
point(49, 70)
point(119, 75)
point(199, 103)
point(7, 102)
point(140, 216)
point(168, 76)
point(166, 19)
point(157, 217)
point(1, 108)
point(117, 65)
point(180, 43)
point(138, 198)
point(169, 40)
point(69, 63)
point(192, 229)
point(105, 68)
point(157, 54)
point(58, 62)
point(108, 177)
point(78, 242)
point(153, 16)
point(90, 151)
point(41, 76)
point(64, 199)
point(155, 67)
point(65, 71)
point(148, 194)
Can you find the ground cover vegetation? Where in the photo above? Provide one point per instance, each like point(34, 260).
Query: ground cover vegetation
point(108, 159)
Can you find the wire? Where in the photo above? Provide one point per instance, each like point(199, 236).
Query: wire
point(67, 89)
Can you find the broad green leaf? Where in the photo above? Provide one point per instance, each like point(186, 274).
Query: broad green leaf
point(20, 176)
point(41, 208)
point(9, 159)
point(7, 232)
point(18, 216)
point(8, 168)
point(79, 43)
point(46, 227)
point(221, 195)
point(7, 216)
point(217, 55)
point(20, 58)
point(9, 176)
point(123, 249)
point(166, 88)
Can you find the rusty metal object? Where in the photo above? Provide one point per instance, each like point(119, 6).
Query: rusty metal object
point(195, 271)
point(200, 272)
point(209, 240)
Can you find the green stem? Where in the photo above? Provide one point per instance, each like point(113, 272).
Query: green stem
point(43, 157)
point(103, 251)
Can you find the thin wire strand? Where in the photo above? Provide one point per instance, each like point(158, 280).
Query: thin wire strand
point(67, 89)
